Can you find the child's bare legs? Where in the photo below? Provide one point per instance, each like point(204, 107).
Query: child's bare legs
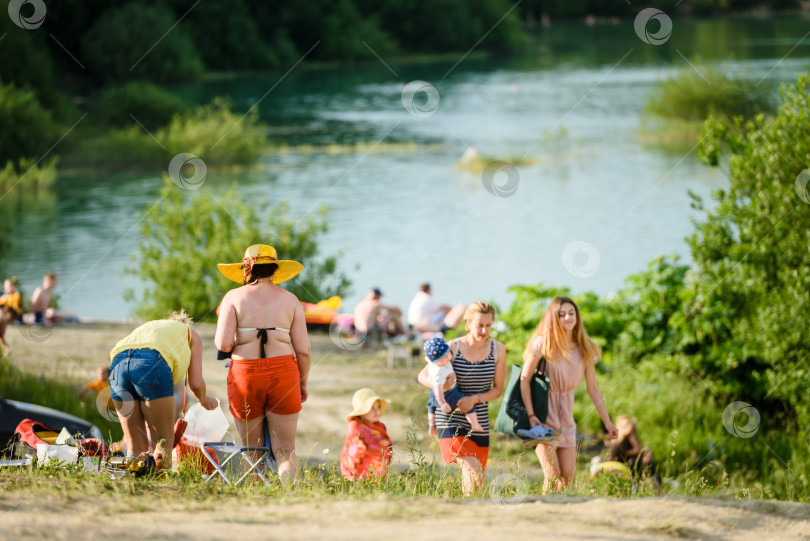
point(472, 418)
point(432, 431)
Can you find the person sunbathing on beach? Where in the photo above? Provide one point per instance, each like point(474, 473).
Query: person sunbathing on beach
point(439, 357)
point(41, 300)
point(371, 316)
point(427, 315)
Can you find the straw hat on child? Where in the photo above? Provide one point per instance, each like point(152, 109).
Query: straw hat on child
point(363, 400)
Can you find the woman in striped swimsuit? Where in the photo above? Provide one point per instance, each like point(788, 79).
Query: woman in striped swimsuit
point(480, 366)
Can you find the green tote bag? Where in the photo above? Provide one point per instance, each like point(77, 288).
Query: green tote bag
point(512, 415)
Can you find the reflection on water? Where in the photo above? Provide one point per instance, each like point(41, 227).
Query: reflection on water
point(594, 205)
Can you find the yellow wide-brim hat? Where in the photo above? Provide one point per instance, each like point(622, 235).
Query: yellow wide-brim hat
point(260, 254)
point(363, 400)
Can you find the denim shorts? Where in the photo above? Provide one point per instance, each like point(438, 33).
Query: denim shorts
point(451, 396)
point(140, 374)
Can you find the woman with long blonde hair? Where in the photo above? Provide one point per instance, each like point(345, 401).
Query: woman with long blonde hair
point(570, 355)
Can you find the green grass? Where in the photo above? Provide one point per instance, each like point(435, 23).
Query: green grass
point(324, 482)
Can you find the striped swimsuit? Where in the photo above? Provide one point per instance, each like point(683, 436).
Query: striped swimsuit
point(471, 378)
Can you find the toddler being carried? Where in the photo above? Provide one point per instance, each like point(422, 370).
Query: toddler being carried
point(440, 367)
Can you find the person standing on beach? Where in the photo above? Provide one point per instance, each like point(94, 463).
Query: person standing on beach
point(570, 356)
point(262, 326)
point(480, 367)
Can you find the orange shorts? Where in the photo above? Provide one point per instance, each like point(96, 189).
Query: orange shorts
point(460, 446)
point(256, 386)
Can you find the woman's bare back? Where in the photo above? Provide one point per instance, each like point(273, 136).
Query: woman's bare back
point(262, 306)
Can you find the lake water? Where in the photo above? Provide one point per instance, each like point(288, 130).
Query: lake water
point(594, 205)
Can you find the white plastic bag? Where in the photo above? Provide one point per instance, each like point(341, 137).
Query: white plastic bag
point(204, 425)
point(60, 453)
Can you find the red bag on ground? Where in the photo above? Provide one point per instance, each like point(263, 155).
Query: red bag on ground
point(181, 424)
point(179, 429)
point(26, 437)
point(192, 456)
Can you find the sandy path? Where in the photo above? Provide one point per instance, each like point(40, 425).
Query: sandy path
point(25, 516)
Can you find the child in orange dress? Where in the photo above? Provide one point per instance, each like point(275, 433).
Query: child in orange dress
point(101, 386)
point(367, 450)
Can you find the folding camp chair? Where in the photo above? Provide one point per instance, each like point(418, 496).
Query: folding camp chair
point(232, 451)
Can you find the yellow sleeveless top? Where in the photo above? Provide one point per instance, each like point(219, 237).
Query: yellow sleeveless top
point(13, 301)
point(170, 338)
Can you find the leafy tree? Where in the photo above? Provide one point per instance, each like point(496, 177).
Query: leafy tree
point(26, 128)
point(185, 234)
point(238, 45)
point(27, 62)
point(125, 44)
point(149, 104)
point(752, 254)
point(422, 26)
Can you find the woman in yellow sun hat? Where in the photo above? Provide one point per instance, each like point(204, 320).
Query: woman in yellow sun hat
point(262, 327)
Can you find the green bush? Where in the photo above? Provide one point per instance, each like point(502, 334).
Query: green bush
point(693, 96)
point(128, 43)
point(751, 251)
point(27, 130)
point(27, 175)
point(217, 135)
point(123, 149)
point(186, 234)
point(149, 104)
point(221, 138)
